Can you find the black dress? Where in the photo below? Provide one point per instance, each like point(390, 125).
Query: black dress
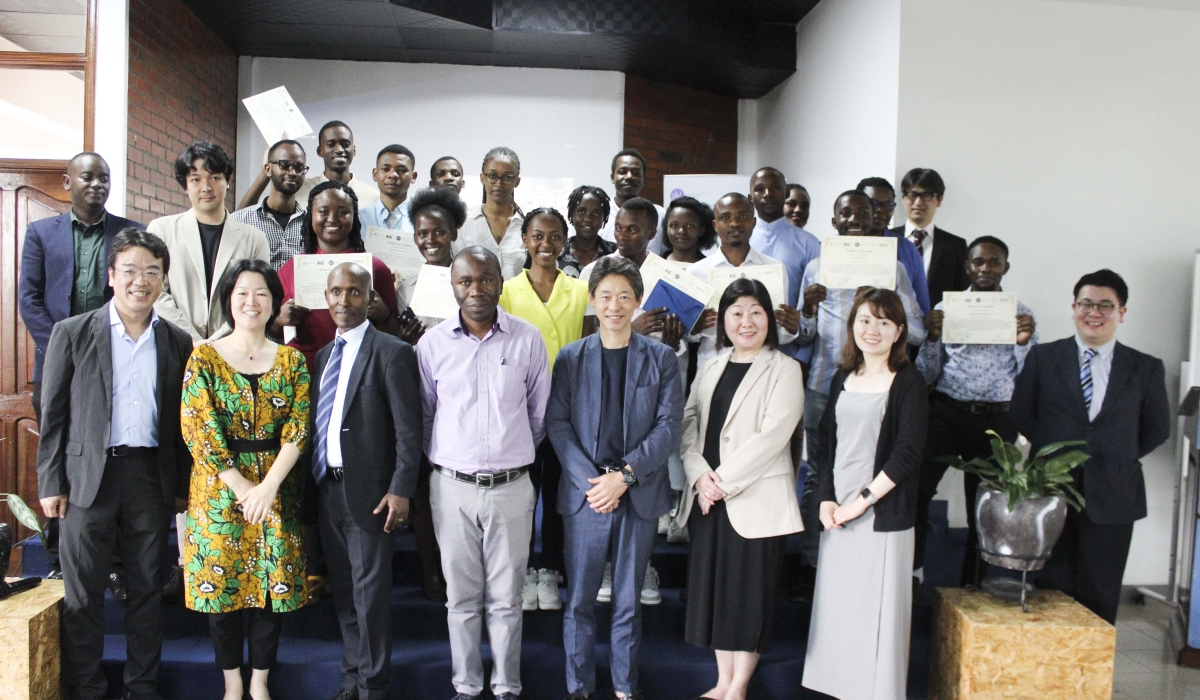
point(732, 580)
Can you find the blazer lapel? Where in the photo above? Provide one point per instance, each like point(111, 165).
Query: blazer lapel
point(757, 369)
point(112, 226)
point(103, 335)
point(161, 348)
point(356, 372)
point(939, 246)
point(190, 235)
point(60, 253)
point(633, 370)
point(1118, 375)
point(231, 239)
point(1068, 363)
point(594, 385)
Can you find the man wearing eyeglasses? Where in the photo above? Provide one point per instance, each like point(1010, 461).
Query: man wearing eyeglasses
point(944, 254)
point(1089, 387)
point(279, 215)
point(883, 204)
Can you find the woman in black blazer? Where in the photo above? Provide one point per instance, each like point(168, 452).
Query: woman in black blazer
point(868, 457)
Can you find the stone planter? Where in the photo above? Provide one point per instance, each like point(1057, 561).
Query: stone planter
point(1023, 539)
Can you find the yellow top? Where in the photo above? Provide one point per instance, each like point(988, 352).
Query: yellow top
point(560, 320)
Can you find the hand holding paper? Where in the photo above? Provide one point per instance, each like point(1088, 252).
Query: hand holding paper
point(850, 262)
point(979, 318)
point(274, 113)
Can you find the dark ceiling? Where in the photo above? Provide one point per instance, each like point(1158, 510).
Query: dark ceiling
point(734, 48)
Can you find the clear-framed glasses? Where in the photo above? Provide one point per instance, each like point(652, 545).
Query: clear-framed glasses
point(129, 274)
point(1105, 307)
point(507, 179)
point(913, 196)
point(290, 166)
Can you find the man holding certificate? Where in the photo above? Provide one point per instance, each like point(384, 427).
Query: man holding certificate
point(975, 346)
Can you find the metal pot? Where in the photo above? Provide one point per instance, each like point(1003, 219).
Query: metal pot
point(1022, 539)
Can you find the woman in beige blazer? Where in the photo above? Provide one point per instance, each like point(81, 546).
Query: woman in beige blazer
point(741, 499)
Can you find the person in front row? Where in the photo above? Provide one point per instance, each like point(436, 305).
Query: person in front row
point(972, 385)
point(112, 464)
point(1090, 387)
point(614, 417)
point(484, 387)
point(245, 419)
point(740, 505)
point(366, 454)
point(868, 461)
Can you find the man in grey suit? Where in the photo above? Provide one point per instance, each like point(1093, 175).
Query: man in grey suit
point(112, 463)
point(614, 455)
point(367, 442)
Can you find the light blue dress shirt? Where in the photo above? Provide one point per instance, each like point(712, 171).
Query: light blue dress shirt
point(795, 248)
point(378, 215)
point(134, 384)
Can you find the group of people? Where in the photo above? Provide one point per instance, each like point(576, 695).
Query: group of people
point(291, 465)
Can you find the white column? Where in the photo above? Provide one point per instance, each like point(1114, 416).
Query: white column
point(112, 95)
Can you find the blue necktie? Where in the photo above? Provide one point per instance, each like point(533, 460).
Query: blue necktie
point(1085, 379)
point(329, 383)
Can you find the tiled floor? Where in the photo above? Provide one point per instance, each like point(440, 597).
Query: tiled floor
point(1145, 664)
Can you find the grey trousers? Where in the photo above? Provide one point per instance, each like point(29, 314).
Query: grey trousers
point(483, 534)
point(360, 579)
point(129, 502)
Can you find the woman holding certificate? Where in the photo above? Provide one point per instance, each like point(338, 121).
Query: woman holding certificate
point(872, 436)
point(437, 214)
point(331, 227)
point(741, 493)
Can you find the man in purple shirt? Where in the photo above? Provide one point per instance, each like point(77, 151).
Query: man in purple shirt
point(485, 383)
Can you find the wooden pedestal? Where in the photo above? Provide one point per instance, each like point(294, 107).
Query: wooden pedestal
point(987, 649)
point(29, 645)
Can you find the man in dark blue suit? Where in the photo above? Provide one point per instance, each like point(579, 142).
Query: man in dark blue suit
point(616, 405)
point(63, 274)
point(1090, 387)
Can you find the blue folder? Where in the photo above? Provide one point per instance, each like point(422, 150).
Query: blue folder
point(665, 295)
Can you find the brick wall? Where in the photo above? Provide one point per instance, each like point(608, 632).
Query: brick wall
point(679, 130)
point(183, 83)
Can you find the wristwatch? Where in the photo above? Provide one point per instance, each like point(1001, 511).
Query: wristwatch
point(870, 497)
point(627, 475)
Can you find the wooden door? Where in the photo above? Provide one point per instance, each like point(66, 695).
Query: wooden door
point(28, 191)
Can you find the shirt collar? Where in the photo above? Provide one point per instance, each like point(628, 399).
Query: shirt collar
point(86, 227)
point(355, 335)
point(1104, 351)
point(780, 224)
point(499, 326)
point(299, 211)
point(753, 258)
point(649, 255)
point(909, 228)
point(114, 318)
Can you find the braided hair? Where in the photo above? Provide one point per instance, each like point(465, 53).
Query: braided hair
point(309, 236)
point(576, 198)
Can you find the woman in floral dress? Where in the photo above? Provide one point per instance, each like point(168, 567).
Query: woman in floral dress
point(245, 415)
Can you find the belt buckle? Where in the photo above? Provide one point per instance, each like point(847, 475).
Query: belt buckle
point(977, 408)
point(117, 451)
point(491, 481)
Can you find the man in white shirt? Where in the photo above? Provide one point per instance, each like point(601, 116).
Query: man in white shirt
point(335, 145)
point(628, 178)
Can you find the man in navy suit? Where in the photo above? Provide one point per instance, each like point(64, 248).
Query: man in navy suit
point(63, 274)
point(1090, 387)
point(614, 454)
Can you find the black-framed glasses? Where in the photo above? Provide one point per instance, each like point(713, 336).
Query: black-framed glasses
point(913, 196)
point(493, 178)
point(883, 206)
point(288, 166)
point(1105, 307)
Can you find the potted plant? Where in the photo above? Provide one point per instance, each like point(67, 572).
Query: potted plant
point(29, 519)
point(1021, 506)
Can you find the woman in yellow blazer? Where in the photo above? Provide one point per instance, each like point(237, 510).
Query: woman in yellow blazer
point(555, 303)
point(741, 499)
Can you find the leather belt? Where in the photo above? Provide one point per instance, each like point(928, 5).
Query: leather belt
point(252, 446)
point(127, 451)
point(484, 481)
point(979, 408)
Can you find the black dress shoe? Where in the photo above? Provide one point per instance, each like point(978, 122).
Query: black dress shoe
point(116, 584)
point(173, 590)
point(346, 694)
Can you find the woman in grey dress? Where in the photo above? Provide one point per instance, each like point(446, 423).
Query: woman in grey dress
point(868, 456)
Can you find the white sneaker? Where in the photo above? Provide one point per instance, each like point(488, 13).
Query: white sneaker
point(529, 593)
point(604, 595)
point(650, 594)
point(677, 534)
point(664, 524)
point(547, 590)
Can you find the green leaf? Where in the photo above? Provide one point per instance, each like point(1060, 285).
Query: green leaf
point(22, 513)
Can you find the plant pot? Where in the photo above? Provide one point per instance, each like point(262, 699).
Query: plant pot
point(1022, 539)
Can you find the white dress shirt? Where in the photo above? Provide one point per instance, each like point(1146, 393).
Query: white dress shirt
point(609, 230)
point(926, 247)
point(1101, 368)
point(333, 437)
point(510, 249)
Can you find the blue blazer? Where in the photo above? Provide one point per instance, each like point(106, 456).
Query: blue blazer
point(48, 276)
point(653, 416)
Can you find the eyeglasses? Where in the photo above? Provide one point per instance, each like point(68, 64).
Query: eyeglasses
point(883, 206)
point(493, 178)
point(923, 196)
point(1105, 307)
point(289, 166)
point(130, 274)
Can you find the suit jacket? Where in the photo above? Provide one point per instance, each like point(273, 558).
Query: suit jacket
point(77, 394)
point(185, 300)
point(1047, 406)
point(756, 458)
point(947, 266)
point(48, 276)
point(653, 413)
point(381, 424)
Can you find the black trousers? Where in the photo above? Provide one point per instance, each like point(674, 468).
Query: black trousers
point(545, 473)
point(130, 504)
point(228, 635)
point(954, 431)
point(1088, 563)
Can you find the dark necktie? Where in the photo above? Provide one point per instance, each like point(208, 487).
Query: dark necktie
point(329, 383)
point(1085, 379)
point(919, 237)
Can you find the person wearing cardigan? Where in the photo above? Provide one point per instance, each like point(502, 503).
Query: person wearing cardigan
point(741, 504)
point(869, 451)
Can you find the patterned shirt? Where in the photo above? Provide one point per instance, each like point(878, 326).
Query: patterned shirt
point(974, 372)
point(285, 241)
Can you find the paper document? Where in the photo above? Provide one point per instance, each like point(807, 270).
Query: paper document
point(311, 275)
point(979, 318)
point(433, 296)
point(850, 262)
point(274, 112)
point(396, 248)
point(771, 276)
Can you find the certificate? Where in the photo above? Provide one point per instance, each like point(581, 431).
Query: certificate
point(656, 268)
point(274, 112)
point(772, 277)
point(396, 248)
point(310, 275)
point(850, 262)
point(979, 318)
point(433, 296)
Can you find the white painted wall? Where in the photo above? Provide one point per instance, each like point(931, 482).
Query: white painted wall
point(112, 95)
point(561, 123)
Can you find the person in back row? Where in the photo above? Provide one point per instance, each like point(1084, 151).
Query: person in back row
point(588, 210)
point(628, 174)
point(883, 205)
point(394, 173)
point(497, 226)
point(279, 215)
point(943, 253)
point(447, 172)
point(798, 205)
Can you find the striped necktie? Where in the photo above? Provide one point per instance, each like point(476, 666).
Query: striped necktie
point(1085, 379)
point(918, 237)
point(329, 383)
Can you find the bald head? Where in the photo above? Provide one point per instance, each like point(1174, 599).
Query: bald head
point(87, 181)
point(348, 293)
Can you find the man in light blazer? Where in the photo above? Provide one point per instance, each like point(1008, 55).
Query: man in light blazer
point(367, 440)
point(203, 241)
point(616, 405)
point(112, 463)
